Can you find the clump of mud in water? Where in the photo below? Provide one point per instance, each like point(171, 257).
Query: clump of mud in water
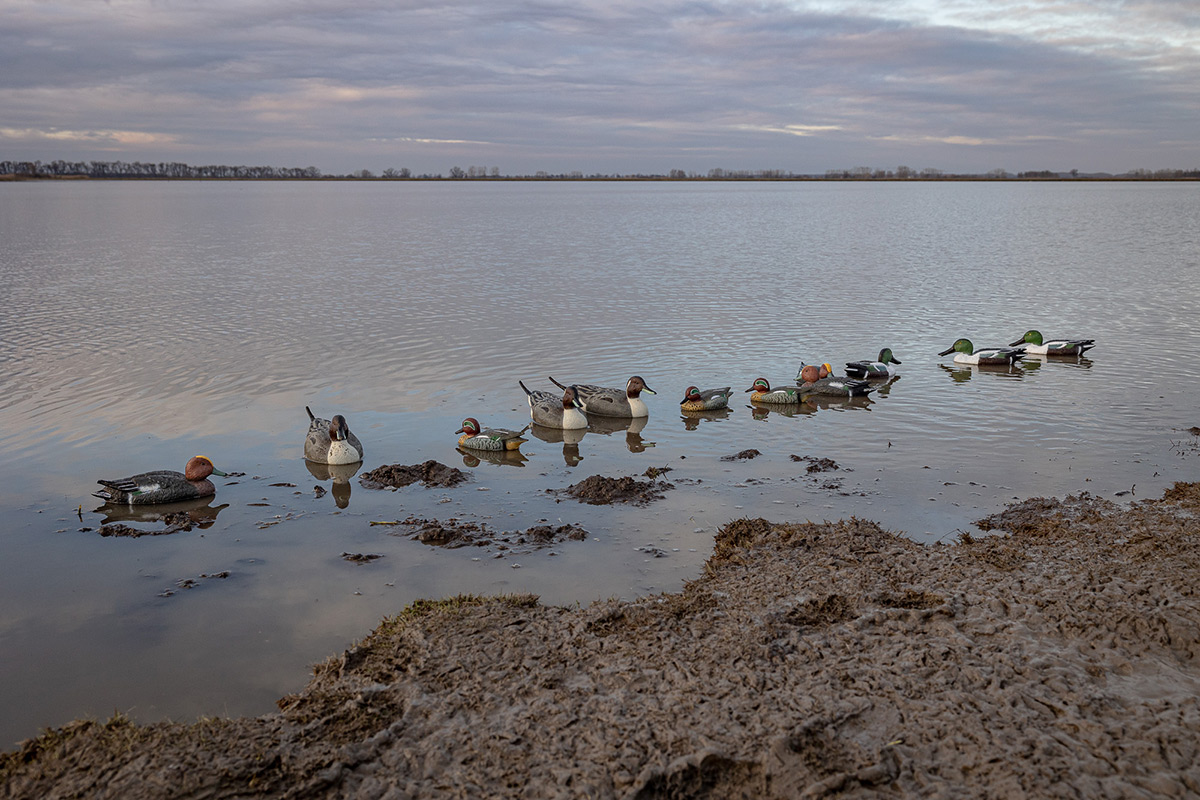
point(172, 523)
point(453, 534)
point(599, 490)
point(816, 464)
point(361, 558)
point(430, 473)
point(745, 455)
point(1045, 516)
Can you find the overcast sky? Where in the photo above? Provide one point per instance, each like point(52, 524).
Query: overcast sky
point(605, 86)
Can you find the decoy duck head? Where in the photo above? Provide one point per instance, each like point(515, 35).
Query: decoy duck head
point(760, 385)
point(470, 426)
point(636, 385)
point(810, 373)
point(571, 398)
point(200, 467)
point(691, 393)
point(960, 346)
point(338, 429)
point(886, 357)
point(1030, 337)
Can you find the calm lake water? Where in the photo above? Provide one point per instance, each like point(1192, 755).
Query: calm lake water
point(146, 322)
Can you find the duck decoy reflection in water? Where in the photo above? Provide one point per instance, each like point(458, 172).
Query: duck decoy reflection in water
point(883, 367)
point(340, 474)
point(763, 393)
point(162, 486)
point(201, 512)
point(632, 427)
point(330, 441)
point(1034, 345)
point(605, 402)
point(476, 438)
point(812, 383)
point(696, 399)
point(965, 353)
point(961, 373)
point(552, 411)
point(503, 458)
point(692, 419)
point(569, 438)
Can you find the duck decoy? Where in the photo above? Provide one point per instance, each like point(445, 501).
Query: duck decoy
point(330, 441)
point(552, 411)
point(476, 438)
point(163, 485)
point(1036, 346)
point(883, 367)
point(605, 402)
point(695, 399)
point(811, 382)
point(965, 353)
point(763, 393)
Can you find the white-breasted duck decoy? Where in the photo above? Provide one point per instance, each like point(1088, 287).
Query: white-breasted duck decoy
point(881, 368)
point(1036, 346)
point(605, 402)
point(564, 411)
point(163, 485)
point(330, 441)
point(965, 353)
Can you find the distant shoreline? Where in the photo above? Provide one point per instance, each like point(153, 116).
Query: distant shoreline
point(19, 178)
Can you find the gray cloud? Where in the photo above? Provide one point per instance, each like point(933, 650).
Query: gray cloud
point(605, 87)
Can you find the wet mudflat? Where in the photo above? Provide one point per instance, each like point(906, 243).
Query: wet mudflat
point(1055, 657)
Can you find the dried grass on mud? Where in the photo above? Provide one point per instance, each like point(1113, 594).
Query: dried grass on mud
point(835, 659)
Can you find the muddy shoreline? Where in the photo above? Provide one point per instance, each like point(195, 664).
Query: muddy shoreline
point(1058, 658)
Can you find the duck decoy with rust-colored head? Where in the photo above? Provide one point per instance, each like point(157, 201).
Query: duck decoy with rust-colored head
point(162, 486)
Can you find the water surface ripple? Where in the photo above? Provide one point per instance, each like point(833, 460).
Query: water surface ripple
point(145, 322)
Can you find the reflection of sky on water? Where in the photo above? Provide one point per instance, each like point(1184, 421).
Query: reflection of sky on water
point(152, 322)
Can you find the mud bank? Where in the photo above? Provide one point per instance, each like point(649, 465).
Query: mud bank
point(1061, 659)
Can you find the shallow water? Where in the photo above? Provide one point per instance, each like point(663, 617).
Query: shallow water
point(145, 323)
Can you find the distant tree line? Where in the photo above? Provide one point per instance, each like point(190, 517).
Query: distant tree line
point(178, 170)
point(144, 169)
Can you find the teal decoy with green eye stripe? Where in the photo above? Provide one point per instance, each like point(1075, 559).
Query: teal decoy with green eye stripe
point(763, 393)
point(695, 399)
point(476, 438)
